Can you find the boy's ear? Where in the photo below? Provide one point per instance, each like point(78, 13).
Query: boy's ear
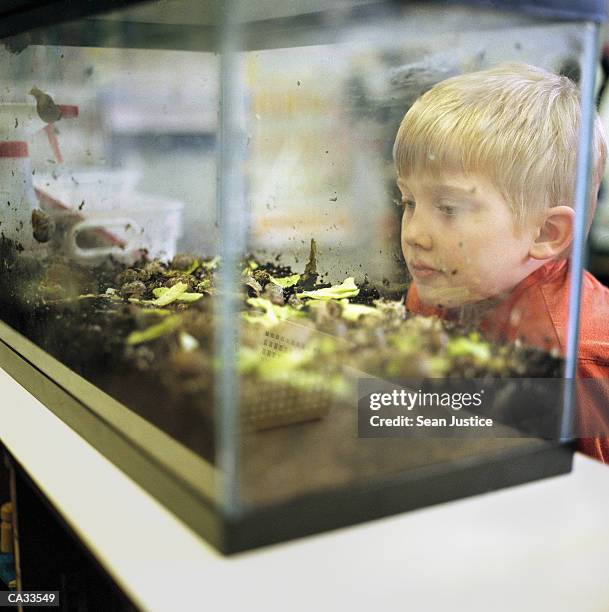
point(554, 233)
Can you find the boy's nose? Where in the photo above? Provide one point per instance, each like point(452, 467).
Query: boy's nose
point(415, 234)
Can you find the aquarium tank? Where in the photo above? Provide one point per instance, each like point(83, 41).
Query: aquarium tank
point(203, 255)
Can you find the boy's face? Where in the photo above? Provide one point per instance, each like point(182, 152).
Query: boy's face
point(459, 239)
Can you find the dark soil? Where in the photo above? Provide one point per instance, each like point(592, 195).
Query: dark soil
point(84, 317)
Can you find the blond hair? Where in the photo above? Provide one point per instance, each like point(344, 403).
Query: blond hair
point(517, 125)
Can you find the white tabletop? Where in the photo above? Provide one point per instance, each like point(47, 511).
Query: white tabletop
point(541, 546)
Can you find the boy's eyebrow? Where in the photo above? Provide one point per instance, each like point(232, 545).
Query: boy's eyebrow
point(438, 191)
point(470, 194)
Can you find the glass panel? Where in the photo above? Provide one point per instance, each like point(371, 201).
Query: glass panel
point(109, 224)
point(322, 189)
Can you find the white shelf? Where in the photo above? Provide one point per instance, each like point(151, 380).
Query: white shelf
point(540, 546)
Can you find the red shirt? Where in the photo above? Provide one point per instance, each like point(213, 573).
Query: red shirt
point(536, 312)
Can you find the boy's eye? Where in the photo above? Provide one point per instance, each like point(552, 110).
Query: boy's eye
point(447, 209)
point(408, 204)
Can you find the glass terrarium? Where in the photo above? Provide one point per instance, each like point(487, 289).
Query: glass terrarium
point(202, 269)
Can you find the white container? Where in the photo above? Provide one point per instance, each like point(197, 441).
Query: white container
point(143, 224)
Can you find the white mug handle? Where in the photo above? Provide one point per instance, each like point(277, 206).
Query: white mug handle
point(96, 252)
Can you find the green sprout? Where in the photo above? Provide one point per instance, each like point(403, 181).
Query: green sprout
point(153, 332)
point(286, 281)
point(465, 347)
point(192, 268)
point(212, 264)
point(171, 295)
point(346, 289)
point(352, 312)
point(272, 314)
point(183, 296)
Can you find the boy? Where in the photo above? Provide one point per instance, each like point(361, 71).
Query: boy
point(486, 168)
